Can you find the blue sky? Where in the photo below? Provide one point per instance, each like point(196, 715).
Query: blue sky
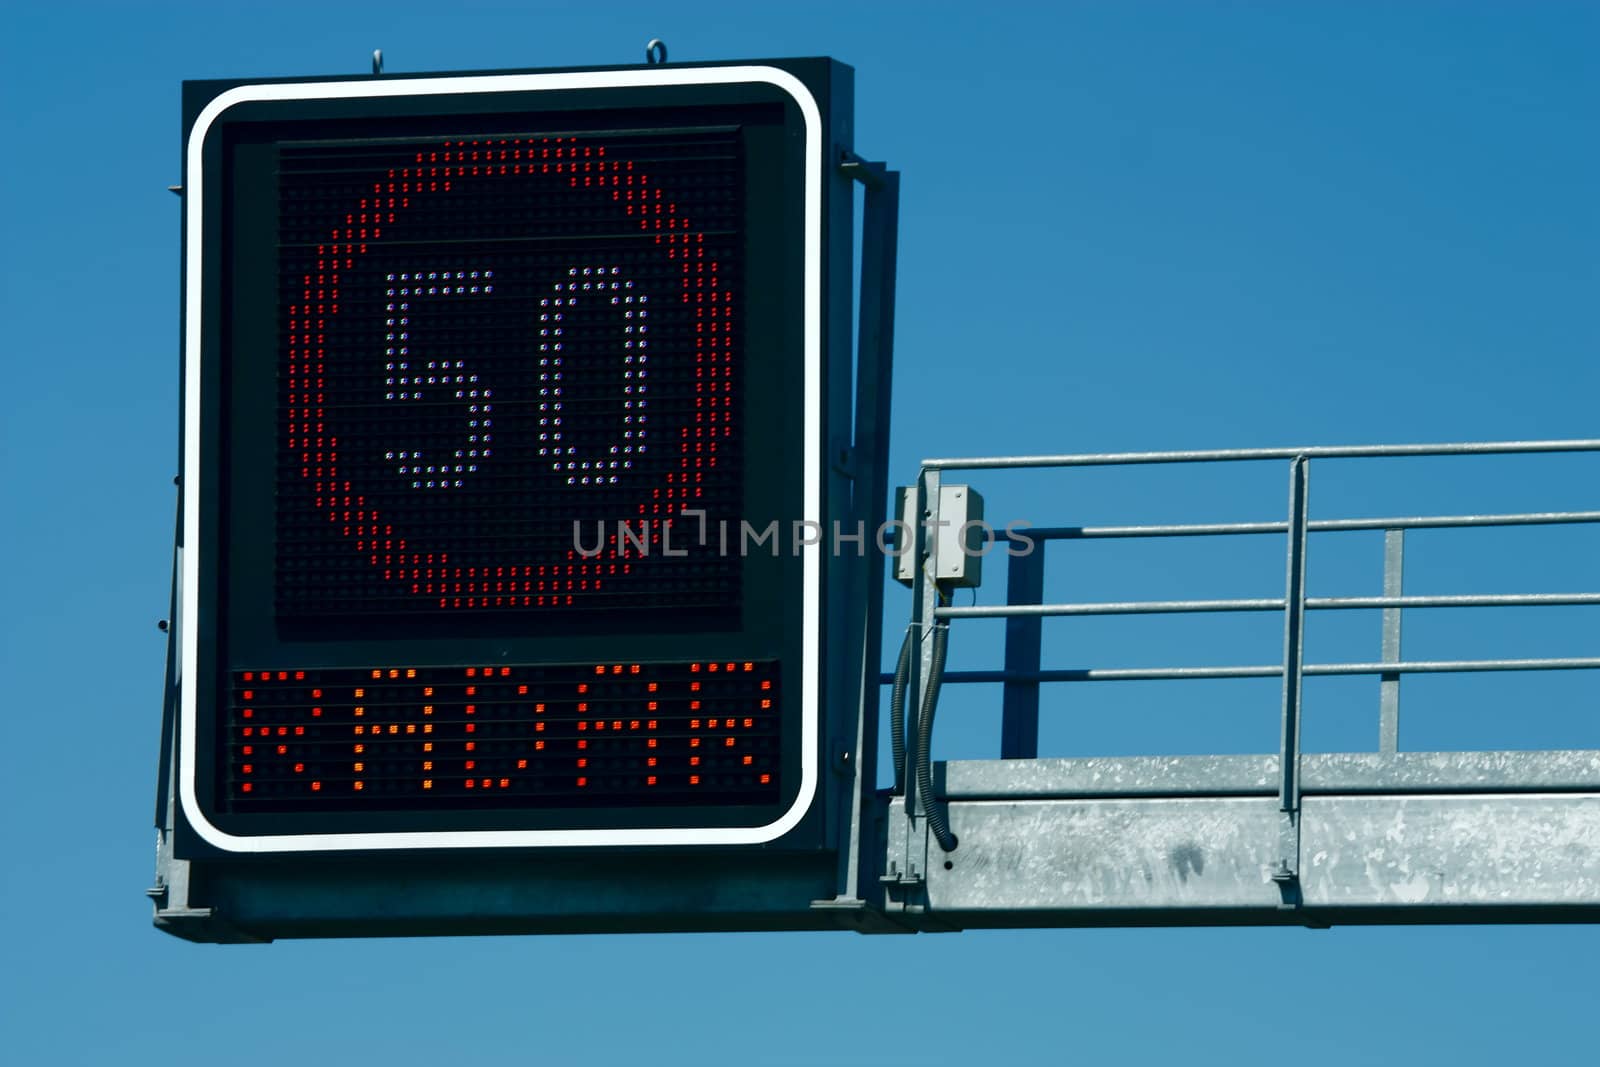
point(1134, 226)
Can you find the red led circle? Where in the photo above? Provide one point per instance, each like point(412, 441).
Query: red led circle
point(424, 573)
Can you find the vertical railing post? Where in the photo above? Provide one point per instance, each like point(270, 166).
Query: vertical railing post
point(924, 605)
point(1019, 715)
point(1294, 617)
point(1394, 555)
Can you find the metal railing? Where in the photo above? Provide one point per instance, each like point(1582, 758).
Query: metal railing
point(1024, 610)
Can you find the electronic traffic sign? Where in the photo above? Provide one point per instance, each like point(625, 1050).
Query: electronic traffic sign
point(506, 400)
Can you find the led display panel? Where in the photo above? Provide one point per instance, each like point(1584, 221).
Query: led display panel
point(504, 395)
point(547, 736)
point(489, 339)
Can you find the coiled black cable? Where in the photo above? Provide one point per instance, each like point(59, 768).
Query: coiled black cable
point(897, 712)
point(930, 701)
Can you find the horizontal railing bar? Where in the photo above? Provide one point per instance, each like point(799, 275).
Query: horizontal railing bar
point(1213, 529)
point(1101, 674)
point(1150, 674)
point(1130, 607)
point(1202, 529)
point(1225, 455)
point(1471, 600)
point(1567, 663)
point(1326, 603)
point(1426, 522)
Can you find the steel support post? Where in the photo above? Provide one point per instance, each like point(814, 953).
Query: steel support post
point(861, 849)
point(910, 865)
point(925, 603)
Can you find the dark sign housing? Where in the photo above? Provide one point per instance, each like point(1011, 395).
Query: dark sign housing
point(507, 399)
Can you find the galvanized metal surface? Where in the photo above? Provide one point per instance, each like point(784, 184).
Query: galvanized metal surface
point(1564, 770)
point(1199, 860)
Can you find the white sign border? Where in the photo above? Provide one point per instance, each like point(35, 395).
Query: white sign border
point(194, 194)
